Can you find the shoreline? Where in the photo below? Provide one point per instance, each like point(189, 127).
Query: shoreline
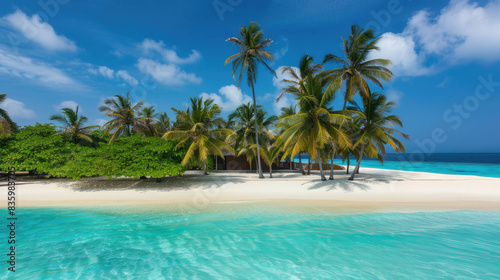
point(373, 190)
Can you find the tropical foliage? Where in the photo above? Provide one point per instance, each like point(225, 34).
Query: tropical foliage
point(252, 52)
point(139, 141)
point(201, 135)
point(73, 124)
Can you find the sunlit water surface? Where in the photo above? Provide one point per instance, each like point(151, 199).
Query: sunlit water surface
point(235, 243)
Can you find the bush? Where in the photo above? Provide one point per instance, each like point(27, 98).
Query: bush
point(39, 148)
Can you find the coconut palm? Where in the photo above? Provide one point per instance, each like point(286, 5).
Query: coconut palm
point(124, 115)
point(376, 129)
point(316, 124)
point(285, 112)
point(73, 124)
point(306, 68)
point(147, 122)
point(271, 155)
point(244, 127)
point(356, 68)
point(6, 124)
point(163, 123)
point(251, 45)
point(201, 134)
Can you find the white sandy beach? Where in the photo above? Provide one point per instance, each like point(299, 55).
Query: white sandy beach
point(373, 189)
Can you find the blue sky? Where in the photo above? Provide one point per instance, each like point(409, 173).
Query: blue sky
point(446, 57)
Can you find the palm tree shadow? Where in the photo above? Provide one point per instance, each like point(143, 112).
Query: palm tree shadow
point(363, 181)
point(173, 183)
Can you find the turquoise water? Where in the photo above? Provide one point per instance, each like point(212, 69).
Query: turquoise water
point(485, 165)
point(239, 244)
point(454, 168)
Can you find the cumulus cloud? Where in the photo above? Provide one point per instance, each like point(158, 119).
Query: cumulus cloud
point(170, 56)
point(67, 104)
point(124, 75)
point(400, 50)
point(42, 33)
point(27, 68)
point(167, 74)
point(229, 97)
point(461, 32)
point(17, 109)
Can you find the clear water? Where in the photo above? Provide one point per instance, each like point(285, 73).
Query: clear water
point(485, 165)
point(232, 244)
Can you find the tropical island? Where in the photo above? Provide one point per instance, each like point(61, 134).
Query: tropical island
point(139, 145)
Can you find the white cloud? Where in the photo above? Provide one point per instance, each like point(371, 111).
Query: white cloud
point(111, 74)
point(170, 56)
point(67, 104)
point(167, 74)
point(229, 97)
point(106, 72)
point(17, 109)
point(400, 50)
point(24, 67)
point(461, 32)
point(40, 32)
point(127, 78)
point(394, 95)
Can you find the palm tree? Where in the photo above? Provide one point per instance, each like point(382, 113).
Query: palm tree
point(243, 123)
point(306, 68)
point(74, 124)
point(285, 112)
point(201, 133)
point(356, 69)
point(147, 123)
point(252, 52)
point(5, 121)
point(123, 114)
point(377, 129)
point(270, 156)
point(315, 125)
point(163, 123)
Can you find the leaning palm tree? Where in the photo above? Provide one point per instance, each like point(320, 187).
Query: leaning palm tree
point(315, 125)
point(73, 124)
point(6, 124)
point(377, 129)
point(201, 134)
point(252, 52)
point(123, 114)
point(356, 68)
point(271, 155)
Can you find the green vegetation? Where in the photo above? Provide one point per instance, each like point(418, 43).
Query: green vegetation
point(252, 47)
point(138, 141)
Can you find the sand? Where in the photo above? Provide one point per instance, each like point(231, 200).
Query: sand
point(373, 190)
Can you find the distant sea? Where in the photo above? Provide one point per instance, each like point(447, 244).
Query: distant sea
point(478, 164)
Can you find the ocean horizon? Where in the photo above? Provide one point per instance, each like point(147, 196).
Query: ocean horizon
point(476, 164)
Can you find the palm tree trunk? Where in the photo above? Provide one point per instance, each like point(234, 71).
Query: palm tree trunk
point(204, 167)
point(331, 167)
point(301, 167)
point(348, 163)
point(259, 167)
point(271, 171)
point(323, 178)
point(359, 162)
point(291, 163)
point(309, 166)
